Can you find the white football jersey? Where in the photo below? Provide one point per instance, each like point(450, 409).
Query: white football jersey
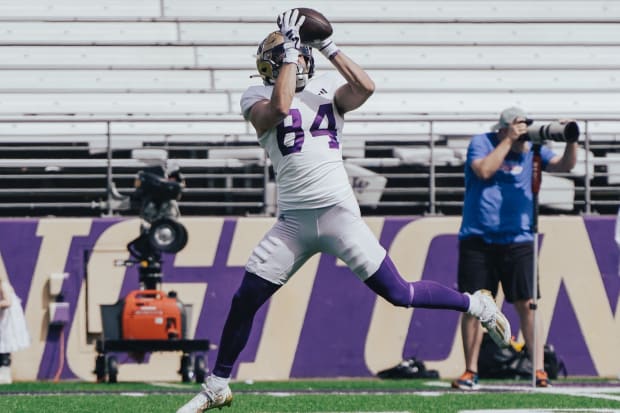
point(305, 148)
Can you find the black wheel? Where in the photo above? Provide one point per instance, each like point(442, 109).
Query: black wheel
point(112, 369)
point(100, 370)
point(187, 368)
point(167, 235)
point(200, 368)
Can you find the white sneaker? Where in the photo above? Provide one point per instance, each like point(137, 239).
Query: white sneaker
point(5, 375)
point(491, 317)
point(208, 399)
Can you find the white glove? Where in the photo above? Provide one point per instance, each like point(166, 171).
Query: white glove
point(290, 22)
point(326, 46)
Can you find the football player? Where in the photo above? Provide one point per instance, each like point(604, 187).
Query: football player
point(298, 118)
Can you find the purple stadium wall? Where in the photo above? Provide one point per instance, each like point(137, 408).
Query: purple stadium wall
point(325, 323)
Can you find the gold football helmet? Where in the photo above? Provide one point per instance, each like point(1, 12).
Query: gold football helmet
point(269, 60)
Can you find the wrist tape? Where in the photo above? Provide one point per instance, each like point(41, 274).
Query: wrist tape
point(329, 49)
point(291, 55)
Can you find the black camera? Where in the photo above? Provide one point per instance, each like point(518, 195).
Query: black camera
point(156, 194)
point(153, 187)
point(554, 131)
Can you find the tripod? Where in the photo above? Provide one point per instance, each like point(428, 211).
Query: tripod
point(536, 182)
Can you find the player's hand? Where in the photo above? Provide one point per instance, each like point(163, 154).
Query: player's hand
point(290, 22)
point(318, 44)
point(326, 46)
point(516, 129)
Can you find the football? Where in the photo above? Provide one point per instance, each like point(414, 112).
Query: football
point(315, 27)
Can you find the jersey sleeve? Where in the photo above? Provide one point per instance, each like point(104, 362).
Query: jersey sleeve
point(250, 97)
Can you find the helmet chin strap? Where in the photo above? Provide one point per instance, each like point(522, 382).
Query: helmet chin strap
point(302, 78)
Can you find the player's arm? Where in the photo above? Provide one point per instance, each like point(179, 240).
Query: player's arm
point(359, 86)
point(486, 167)
point(267, 113)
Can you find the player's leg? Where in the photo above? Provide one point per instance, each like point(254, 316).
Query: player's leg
point(345, 235)
point(277, 256)
point(251, 295)
point(429, 294)
point(389, 284)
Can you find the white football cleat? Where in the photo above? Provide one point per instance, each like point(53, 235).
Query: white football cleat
point(208, 399)
point(491, 317)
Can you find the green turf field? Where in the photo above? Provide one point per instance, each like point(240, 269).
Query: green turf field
point(317, 396)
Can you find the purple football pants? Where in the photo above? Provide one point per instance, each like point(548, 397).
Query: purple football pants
point(386, 282)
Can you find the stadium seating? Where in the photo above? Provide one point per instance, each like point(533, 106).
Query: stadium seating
point(84, 83)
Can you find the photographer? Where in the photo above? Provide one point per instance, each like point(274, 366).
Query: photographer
point(495, 238)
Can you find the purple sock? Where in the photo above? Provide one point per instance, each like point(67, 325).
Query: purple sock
point(251, 295)
point(431, 294)
point(388, 283)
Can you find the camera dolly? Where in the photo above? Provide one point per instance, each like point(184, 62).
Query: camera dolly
point(148, 319)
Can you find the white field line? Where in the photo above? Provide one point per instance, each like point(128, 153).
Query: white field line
point(602, 392)
point(170, 385)
point(591, 392)
point(542, 411)
point(594, 392)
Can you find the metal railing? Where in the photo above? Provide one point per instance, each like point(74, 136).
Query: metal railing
point(40, 177)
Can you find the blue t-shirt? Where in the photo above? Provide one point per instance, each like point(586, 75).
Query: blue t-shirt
point(499, 209)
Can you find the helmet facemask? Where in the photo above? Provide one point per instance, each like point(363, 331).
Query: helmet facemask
point(269, 58)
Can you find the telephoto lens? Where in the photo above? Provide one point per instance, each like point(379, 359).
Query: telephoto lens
point(554, 131)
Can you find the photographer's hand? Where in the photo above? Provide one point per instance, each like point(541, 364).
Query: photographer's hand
point(517, 128)
point(509, 136)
